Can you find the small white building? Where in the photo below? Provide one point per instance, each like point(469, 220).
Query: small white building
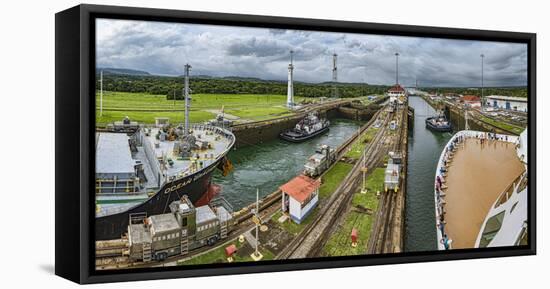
point(397, 94)
point(507, 102)
point(299, 197)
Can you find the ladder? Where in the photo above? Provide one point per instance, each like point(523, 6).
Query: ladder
point(184, 245)
point(146, 252)
point(223, 230)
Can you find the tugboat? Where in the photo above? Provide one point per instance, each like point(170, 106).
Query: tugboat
point(307, 128)
point(439, 123)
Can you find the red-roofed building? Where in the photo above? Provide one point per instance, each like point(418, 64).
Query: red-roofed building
point(471, 100)
point(397, 94)
point(299, 196)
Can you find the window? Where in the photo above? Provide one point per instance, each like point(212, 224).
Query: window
point(492, 227)
point(513, 207)
point(177, 234)
point(163, 238)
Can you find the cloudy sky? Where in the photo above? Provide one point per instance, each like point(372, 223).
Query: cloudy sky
point(164, 48)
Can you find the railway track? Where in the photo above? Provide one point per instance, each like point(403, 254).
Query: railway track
point(388, 220)
point(309, 242)
point(110, 254)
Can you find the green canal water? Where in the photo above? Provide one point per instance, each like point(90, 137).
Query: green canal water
point(424, 149)
point(271, 164)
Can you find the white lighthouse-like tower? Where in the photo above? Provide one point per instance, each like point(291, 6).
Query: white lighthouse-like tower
point(290, 92)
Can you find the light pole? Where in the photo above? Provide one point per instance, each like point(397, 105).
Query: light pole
point(482, 96)
point(256, 255)
point(396, 68)
point(101, 93)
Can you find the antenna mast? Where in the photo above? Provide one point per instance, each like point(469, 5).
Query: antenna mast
point(186, 96)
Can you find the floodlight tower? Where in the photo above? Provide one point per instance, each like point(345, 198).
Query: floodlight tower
point(482, 96)
point(396, 68)
point(334, 75)
point(186, 97)
point(290, 91)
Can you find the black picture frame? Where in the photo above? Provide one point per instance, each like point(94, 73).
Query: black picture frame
point(74, 148)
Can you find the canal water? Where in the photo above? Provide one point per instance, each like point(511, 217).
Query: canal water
point(271, 164)
point(424, 149)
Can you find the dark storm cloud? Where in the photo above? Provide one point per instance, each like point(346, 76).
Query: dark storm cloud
point(256, 47)
point(163, 48)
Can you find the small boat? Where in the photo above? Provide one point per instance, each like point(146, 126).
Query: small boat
point(309, 127)
point(439, 123)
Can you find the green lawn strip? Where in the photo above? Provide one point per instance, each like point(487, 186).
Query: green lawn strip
point(339, 243)
point(149, 117)
point(359, 145)
point(332, 178)
point(502, 125)
point(120, 100)
point(257, 113)
point(218, 255)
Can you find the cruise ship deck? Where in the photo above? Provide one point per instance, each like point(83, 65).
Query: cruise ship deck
point(476, 176)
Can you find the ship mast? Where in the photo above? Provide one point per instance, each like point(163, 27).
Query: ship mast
point(186, 97)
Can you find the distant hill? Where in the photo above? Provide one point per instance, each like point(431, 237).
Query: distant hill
point(122, 71)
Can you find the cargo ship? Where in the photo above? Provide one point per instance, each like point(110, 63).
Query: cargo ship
point(480, 191)
point(145, 169)
point(309, 127)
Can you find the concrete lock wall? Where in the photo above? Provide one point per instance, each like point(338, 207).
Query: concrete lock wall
point(260, 132)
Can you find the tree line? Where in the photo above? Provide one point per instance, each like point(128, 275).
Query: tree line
point(173, 86)
point(506, 91)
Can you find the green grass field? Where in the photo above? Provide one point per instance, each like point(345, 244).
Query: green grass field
point(218, 255)
point(143, 107)
point(339, 243)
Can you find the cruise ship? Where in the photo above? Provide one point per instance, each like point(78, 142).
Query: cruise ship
point(143, 169)
point(480, 191)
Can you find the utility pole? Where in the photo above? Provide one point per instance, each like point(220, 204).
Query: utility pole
point(364, 170)
point(256, 256)
point(186, 96)
point(101, 93)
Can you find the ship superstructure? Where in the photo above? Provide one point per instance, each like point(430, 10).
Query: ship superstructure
point(145, 171)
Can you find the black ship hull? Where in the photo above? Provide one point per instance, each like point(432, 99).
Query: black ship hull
point(195, 186)
point(438, 128)
point(296, 138)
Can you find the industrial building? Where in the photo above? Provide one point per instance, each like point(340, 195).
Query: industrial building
point(471, 100)
point(299, 197)
point(507, 102)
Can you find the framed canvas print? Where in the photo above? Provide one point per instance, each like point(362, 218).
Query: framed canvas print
point(193, 144)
